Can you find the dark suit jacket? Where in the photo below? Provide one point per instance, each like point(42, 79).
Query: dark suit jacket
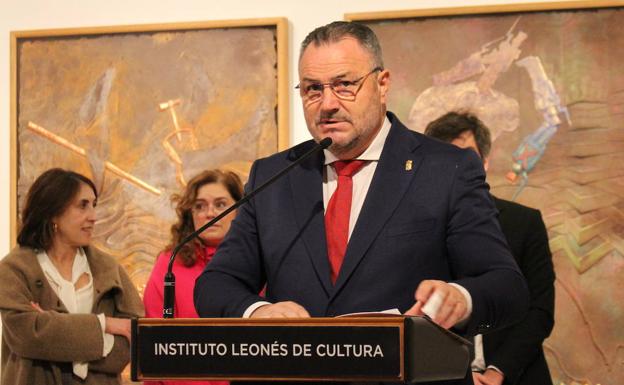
point(435, 221)
point(517, 350)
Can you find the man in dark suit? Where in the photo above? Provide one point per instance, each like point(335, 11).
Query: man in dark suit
point(413, 224)
point(513, 355)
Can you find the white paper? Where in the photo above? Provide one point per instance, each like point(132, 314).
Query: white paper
point(432, 305)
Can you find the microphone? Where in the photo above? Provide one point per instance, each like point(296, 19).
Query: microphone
point(169, 284)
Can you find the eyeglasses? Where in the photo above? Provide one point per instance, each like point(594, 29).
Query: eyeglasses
point(343, 89)
point(219, 206)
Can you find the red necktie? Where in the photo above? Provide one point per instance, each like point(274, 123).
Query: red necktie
point(338, 213)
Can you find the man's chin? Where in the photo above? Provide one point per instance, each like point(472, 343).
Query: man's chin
point(342, 147)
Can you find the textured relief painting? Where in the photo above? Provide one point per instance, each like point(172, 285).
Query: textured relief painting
point(143, 111)
point(550, 85)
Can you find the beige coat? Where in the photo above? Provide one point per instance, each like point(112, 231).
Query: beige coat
point(35, 343)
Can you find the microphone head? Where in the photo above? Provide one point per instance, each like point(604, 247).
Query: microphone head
point(325, 142)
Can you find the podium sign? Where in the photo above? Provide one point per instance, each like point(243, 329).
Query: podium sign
point(342, 349)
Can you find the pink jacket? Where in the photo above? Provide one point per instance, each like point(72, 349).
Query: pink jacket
point(184, 307)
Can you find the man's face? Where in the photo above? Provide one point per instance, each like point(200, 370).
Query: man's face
point(352, 125)
point(467, 140)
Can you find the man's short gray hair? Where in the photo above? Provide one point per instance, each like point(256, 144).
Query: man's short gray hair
point(333, 32)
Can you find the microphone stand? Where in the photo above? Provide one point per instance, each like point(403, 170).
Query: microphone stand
point(169, 283)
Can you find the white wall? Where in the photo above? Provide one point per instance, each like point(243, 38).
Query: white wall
point(303, 16)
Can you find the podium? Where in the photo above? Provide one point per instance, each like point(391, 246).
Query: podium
point(369, 348)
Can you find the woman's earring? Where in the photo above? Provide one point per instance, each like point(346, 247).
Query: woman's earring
point(54, 227)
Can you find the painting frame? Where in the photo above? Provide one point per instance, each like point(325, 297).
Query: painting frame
point(586, 248)
point(481, 10)
point(281, 99)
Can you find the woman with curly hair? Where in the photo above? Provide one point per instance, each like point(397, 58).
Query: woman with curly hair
point(206, 196)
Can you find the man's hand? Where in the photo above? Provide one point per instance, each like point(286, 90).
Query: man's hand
point(489, 377)
point(286, 309)
point(452, 303)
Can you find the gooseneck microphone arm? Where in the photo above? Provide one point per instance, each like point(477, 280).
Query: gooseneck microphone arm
point(169, 284)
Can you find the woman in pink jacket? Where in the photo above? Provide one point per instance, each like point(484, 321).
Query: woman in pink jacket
point(206, 196)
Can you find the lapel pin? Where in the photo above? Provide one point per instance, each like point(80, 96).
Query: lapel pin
point(408, 165)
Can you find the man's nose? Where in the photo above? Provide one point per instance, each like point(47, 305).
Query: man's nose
point(329, 100)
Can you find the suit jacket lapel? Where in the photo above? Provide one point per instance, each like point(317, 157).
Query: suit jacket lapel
point(307, 187)
point(389, 184)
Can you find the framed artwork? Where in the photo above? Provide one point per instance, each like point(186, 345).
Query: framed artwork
point(141, 110)
point(548, 80)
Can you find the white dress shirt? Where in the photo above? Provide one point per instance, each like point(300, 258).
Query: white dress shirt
point(478, 364)
point(361, 180)
point(76, 300)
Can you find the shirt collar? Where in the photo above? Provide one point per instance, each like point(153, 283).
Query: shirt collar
point(81, 266)
point(373, 152)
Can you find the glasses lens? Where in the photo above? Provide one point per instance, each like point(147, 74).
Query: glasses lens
point(218, 206)
point(199, 207)
point(345, 89)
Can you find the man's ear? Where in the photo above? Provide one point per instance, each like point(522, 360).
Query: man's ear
point(486, 163)
point(384, 84)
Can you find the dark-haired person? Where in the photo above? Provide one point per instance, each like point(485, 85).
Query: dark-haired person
point(65, 307)
point(207, 195)
point(513, 355)
point(384, 218)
